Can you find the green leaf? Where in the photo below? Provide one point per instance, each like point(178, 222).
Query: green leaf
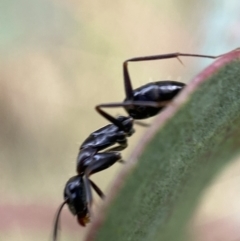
point(155, 195)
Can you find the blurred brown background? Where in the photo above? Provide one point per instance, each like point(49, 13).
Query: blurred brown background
point(58, 60)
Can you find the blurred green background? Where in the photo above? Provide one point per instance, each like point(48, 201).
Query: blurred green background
point(58, 60)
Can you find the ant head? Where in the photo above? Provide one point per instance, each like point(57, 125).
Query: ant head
point(75, 195)
point(75, 198)
point(127, 123)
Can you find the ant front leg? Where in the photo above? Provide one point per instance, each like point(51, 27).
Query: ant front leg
point(97, 189)
point(121, 147)
point(89, 199)
point(100, 162)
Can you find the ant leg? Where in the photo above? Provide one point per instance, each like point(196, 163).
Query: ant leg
point(169, 56)
point(122, 145)
point(117, 148)
point(142, 124)
point(127, 80)
point(97, 189)
point(102, 161)
point(127, 103)
point(132, 103)
point(109, 117)
point(89, 198)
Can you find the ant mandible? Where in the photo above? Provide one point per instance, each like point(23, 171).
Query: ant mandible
point(77, 192)
point(148, 100)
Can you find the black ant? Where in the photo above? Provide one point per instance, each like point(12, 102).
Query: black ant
point(95, 154)
point(141, 103)
point(148, 100)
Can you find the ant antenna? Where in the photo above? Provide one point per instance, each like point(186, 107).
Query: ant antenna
point(57, 218)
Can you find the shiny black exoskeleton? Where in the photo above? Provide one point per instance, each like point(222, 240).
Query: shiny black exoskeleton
point(163, 91)
point(76, 196)
point(98, 152)
point(148, 100)
point(102, 148)
point(90, 159)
